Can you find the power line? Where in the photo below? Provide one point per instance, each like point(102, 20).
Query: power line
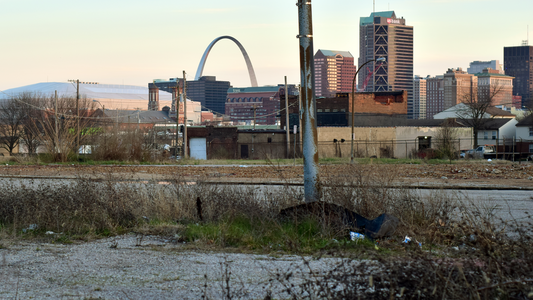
point(135, 113)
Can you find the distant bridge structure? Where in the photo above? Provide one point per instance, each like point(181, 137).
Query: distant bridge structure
point(251, 72)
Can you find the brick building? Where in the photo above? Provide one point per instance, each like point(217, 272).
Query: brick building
point(242, 103)
point(434, 96)
point(336, 111)
point(494, 86)
point(459, 86)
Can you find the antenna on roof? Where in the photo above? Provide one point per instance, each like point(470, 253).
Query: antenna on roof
point(374, 7)
point(526, 42)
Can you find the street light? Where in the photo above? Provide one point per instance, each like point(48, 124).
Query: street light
point(381, 59)
point(103, 107)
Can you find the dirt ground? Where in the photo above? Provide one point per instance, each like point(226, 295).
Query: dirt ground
point(497, 173)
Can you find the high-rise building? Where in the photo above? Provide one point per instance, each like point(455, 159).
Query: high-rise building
point(419, 97)
point(459, 86)
point(495, 87)
point(478, 66)
point(206, 90)
point(518, 63)
point(334, 72)
point(382, 34)
point(434, 96)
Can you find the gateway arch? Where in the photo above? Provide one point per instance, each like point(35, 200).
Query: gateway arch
point(251, 72)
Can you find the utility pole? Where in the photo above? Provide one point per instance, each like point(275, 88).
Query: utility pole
point(178, 104)
point(78, 115)
point(57, 126)
point(307, 75)
point(287, 130)
point(300, 112)
point(253, 132)
point(255, 107)
point(184, 115)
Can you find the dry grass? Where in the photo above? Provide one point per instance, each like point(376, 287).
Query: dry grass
point(467, 252)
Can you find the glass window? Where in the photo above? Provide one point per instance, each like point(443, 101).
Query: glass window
point(494, 134)
point(530, 131)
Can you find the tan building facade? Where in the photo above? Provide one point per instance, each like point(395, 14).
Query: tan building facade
point(459, 86)
point(495, 87)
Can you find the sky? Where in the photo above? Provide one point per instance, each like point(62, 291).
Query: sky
point(134, 42)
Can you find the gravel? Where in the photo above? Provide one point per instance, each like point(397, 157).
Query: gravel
point(126, 267)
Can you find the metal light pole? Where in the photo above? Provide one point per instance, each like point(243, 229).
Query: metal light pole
point(287, 129)
point(309, 125)
point(381, 59)
point(185, 153)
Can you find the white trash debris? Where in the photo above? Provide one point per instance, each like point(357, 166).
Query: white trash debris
point(354, 236)
point(31, 227)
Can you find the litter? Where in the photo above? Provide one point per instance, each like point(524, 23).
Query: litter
point(354, 236)
point(408, 240)
point(31, 227)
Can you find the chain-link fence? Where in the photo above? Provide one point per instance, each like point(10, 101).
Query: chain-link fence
point(422, 147)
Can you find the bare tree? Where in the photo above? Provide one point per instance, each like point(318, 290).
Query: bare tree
point(12, 116)
point(474, 112)
point(55, 124)
point(446, 139)
point(31, 105)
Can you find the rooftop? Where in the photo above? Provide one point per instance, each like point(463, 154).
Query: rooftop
point(335, 52)
point(370, 20)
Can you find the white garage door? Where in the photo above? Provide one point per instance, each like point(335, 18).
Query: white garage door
point(198, 148)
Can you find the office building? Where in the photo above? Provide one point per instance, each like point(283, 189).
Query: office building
point(419, 97)
point(434, 96)
point(478, 66)
point(334, 72)
point(382, 34)
point(207, 90)
point(518, 63)
point(459, 86)
point(257, 105)
point(495, 87)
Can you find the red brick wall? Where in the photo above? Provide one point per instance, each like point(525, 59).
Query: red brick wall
point(381, 104)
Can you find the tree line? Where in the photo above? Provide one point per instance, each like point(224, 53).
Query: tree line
point(60, 126)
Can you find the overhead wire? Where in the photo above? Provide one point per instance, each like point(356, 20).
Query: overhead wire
point(136, 112)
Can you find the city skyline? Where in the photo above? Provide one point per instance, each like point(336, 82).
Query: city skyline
point(135, 42)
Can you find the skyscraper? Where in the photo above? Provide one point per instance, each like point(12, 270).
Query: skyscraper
point(384, 35)
point(210, 92)
point(518, 62)
point(419, 97)
point(459, 86)
point(434, 96)
point(334, 72)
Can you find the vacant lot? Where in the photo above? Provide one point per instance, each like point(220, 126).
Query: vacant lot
point(465, 173)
